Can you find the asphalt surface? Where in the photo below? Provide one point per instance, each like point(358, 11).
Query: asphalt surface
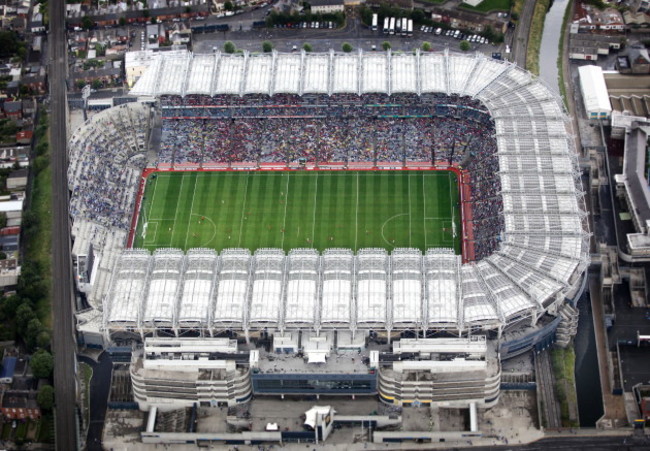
point(100, 386)
point(63, 344)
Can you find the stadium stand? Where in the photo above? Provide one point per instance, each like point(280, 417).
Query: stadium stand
point(501, 126)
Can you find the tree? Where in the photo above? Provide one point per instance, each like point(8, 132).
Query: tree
point(42, 364)
point(96, 84)
point(267, 46)
point(24, 314)
point(426, 46)
point(34, 329)
point(418, 15)
point(45, 397)
point(229, 47)
point(307, 47)
point(3, 219)
point(87, 23)
point(122, 21)
point(464, 46)
point(366, 15)
point(346, 47)
point(386, 45)
point(228, 6)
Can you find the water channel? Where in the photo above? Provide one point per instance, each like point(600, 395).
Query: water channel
point(548, 52)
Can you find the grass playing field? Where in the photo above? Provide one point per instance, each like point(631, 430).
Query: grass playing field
point(286, 210)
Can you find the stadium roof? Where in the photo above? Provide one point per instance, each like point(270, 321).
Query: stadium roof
point(543, 249)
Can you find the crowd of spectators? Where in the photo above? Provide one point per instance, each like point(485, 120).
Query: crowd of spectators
point(344, 128)
point(106, 160)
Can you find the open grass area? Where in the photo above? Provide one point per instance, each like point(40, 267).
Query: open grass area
point(318, 209)
point(489, 5)
point(535, 36)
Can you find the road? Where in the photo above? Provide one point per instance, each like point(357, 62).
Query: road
point(63, 344)
point(100, 386)
point(520, 39)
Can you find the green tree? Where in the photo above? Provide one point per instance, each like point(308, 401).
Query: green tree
point(267, 46)
point(24, 314)
point(87, 23)
point(3, 219)
point(9, 305)
point(307, 47)
point(122, 21)
point(464, 46)
point(96, 84)
point(228, 6)
point(154, 20)
point(346, 47)
point(366, 15)
point(418, 15)
point(34, 329)
point(426, 46)
point(386, 45)
point(229, 47)
point(43, 340)
point(42, 364)
point(45, 397)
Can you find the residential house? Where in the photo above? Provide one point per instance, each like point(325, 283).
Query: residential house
point(20, 405)
point(9, 272)
point(17, 179)
point(24, 137)
point(13, 109)
point(589, 18)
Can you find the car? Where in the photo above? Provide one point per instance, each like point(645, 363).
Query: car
point(294, 48)
point(438, 31)
point(422, 27)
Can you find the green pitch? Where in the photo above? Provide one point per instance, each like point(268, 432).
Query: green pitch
point(286, 210)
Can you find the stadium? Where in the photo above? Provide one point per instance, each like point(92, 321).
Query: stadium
point(261, 198)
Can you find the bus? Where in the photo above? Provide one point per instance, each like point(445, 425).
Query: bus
point(405, 25)
point(391, 28)
point(375, 19)
point(410, 28)
point(386, 24)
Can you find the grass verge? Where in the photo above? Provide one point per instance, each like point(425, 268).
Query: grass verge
point(38, 244)
point(563, 361)
point(560, 53)
point(46, 430)
point(535, 36)
point(86, 375)
point(517, 7)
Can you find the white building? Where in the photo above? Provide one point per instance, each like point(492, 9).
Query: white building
point(173, 373)
point(326, 6)
point(594, 93)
